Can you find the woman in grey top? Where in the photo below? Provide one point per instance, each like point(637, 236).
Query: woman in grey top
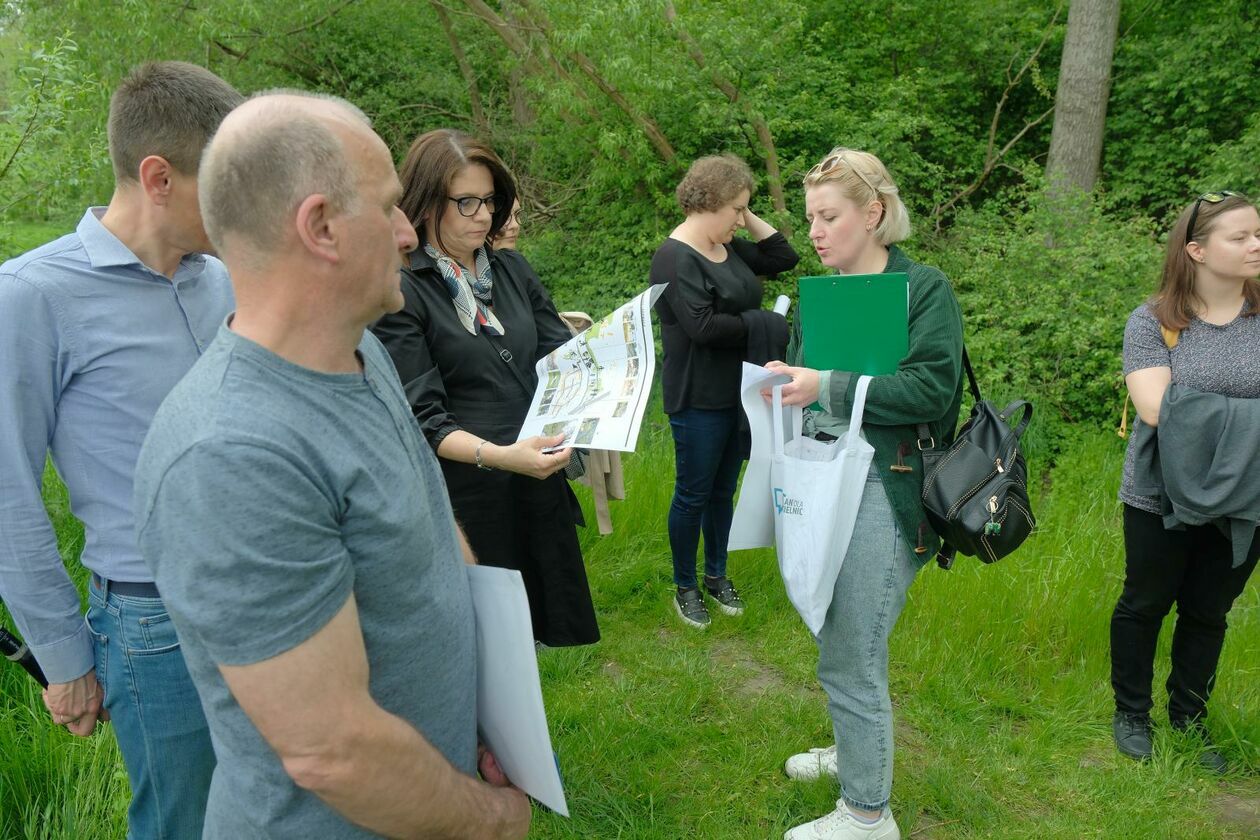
point(1199, 331)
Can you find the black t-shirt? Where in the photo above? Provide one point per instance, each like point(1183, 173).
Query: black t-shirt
point(703, 337)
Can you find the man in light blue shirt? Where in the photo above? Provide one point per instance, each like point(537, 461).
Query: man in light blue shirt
point(95, 329)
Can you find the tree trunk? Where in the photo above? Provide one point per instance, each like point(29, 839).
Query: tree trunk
point(764, 138)
point(517, 45)
point(646, 124)
point(465, 69)
point(1080, 106)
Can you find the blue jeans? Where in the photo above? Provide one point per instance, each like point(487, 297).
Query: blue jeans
point(156, 715)
point(706, 470)
point(853, 648)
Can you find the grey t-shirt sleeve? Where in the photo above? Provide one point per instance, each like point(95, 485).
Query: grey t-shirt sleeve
point(246, 550)
point(1144, 345)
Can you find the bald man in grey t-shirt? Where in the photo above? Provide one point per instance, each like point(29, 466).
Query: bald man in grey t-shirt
point(296, 521)
point(269, 494)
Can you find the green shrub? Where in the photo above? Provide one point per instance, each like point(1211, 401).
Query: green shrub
point(1047, 322)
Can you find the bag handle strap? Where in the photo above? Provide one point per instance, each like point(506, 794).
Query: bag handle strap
point(859, 410)
point(926, 441)
point(507, 357)
point(776, 418)
point(971, 375)
point(776, 410)
point(1009, 412)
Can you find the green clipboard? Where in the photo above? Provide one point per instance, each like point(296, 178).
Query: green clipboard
point(855, 322)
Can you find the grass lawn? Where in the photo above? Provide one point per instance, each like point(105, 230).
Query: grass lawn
point(999, 678)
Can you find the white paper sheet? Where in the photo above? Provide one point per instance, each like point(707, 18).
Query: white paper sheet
point(510, 714)
point(594, 388)
point(753, 523)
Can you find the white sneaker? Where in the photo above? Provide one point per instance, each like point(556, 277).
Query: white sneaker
point(840, 824)
point(808, 766)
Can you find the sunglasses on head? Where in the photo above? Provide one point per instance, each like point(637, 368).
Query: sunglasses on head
point(833, 162)
point(1210, 198)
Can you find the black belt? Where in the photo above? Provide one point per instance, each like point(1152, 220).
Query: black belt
point(133, 589)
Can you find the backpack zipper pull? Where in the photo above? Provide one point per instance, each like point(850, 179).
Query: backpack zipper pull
point(993, 528)
point(998, 462)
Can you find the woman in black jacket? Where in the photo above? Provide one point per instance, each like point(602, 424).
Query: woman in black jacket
point(473, 324)
point(714, 295)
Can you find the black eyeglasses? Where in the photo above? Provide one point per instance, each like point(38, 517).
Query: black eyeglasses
point(470, 204)
point(1210, 198)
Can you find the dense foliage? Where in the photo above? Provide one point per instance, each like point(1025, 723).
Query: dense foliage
point(599, 107)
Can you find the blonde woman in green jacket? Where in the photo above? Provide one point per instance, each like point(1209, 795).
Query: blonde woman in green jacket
point(855, 215)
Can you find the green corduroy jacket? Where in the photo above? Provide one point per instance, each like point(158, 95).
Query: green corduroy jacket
point(927, 388)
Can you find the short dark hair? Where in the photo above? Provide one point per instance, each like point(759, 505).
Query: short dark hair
point(432, 162)
point(169, 109)
point(711, 182)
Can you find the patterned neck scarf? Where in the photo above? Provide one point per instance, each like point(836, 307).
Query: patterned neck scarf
point(470, 295)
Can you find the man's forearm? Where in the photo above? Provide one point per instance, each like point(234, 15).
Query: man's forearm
point(392, 781)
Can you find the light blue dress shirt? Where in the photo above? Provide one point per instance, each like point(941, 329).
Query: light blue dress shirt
point(91, 342)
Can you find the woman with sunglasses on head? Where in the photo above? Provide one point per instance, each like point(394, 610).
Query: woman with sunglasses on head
point(1199, 335)
point(711, 304)
point(855, 216)
point(473, 323)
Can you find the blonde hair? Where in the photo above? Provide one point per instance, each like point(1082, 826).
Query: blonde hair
point(863, 178)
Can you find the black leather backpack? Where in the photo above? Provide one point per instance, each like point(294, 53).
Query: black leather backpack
point(975, 492)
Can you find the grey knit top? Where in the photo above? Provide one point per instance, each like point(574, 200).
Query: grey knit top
point(1222, 359)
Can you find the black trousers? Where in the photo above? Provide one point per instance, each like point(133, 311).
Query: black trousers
point(1193, 569)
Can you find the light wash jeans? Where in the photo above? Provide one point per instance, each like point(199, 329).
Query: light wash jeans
point(156, 715)
point(853, 648)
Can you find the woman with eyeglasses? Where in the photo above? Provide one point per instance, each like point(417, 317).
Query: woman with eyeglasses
point(855, 218)
point(709, 308)
point(1198, 336)
point(473, 323)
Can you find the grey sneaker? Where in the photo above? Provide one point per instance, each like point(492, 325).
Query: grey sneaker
point(1133, 735)
point(723, 592)
point(691, 608)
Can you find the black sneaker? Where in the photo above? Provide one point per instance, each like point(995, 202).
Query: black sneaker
point(691, 608)
point(1133, 735)
point(1212, 761)
point(1209, 758)
point(723, 591)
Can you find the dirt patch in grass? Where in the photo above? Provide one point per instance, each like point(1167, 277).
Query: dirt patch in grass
point(928, 826)
point(756, 677)
point(906, 735)
point(1240, 811)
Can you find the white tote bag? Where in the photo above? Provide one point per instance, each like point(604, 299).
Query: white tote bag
point(817, 489)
